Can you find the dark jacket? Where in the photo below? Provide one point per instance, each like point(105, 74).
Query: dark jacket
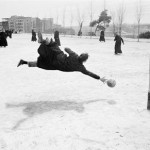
point(47, 55)
point(3, 39)
point(118, 40)
point(52, 58)
point(56, 37)
point(33, 36)
point(102, 36)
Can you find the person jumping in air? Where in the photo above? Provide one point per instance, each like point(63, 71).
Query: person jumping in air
point(51, 57)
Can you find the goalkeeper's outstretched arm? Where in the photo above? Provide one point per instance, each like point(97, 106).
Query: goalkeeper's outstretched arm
point(93, 75)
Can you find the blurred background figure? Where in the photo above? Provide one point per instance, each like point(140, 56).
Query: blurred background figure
point(56, 37)
point(102, 36)
point(3, 38)
point(33, 36)
point(118, 40)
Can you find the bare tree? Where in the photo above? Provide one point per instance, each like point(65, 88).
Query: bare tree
point(91, 17)
point(57, 17)
point(134, 28)
point(71, 19)
point(56, 27)
point(80, 19)
point(121, 15)
point(113, 16)
point(138, 16)
point(64, 17)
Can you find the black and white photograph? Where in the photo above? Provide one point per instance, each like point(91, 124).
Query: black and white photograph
point(74, 75)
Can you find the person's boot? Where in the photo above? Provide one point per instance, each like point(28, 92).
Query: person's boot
point(21, 62)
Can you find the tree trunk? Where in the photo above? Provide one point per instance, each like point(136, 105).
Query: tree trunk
point(120, 28)
point(138, 30)
point(114, 28)
point(95, 30)
point(91, 33)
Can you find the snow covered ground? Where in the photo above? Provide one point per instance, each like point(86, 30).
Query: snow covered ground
point(53, 110)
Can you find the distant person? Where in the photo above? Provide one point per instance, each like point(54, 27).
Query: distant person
point(56, 37)
point(102, 36)
point(3, 38)
point(40, 37)
point(33, 36)
point(51, 57)
point(118, 40)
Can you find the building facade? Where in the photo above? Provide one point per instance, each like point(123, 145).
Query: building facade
point(20, 24)
point(16, 23)
point(47, 24)
point(36, 24)
point(1, 27)
point(11, 22)
point(27, 24)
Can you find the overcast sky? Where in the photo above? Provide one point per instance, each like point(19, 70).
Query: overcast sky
point(56, 8)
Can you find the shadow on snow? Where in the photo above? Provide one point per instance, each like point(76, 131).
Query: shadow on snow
point(36, 108)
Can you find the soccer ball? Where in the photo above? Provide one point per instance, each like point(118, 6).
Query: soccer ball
point(111, 83)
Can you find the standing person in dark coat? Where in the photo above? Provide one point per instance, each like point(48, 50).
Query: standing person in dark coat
point(3, 38)
point(102, 36)
point(33, 36)
point(51, 57)
point(56, 37)
point(118, 40)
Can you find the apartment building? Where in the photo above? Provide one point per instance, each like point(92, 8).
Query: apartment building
point(4, 24)
point(16, 23)
point(11, 22)
point(36, 24)
point(47, 24)
point(20, 24)
point(26, 24)
point(1, 26)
